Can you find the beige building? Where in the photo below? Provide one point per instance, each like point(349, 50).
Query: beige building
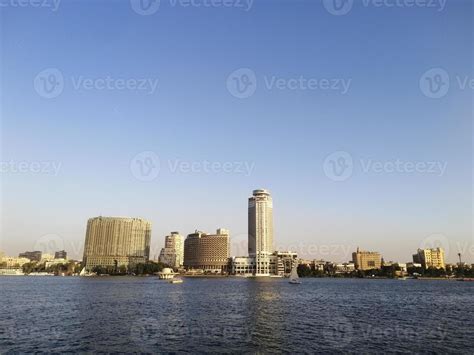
point(366, 260)
point(14, 262)
point(173, 252)
point(116, 241)
point(430, 258)
point(260, 230)
point(209, 252)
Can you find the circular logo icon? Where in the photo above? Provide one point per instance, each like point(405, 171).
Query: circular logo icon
point(49, 83)
point(145, 166)
point(434, 241)
point(49, 244)
point(434, 83)
point(338, 7)
point(338, 166)
point(338, 331)
point(145, 7)
point(145, 332)
point(242, 83)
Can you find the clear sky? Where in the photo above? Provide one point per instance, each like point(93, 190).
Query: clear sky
point(334, 109)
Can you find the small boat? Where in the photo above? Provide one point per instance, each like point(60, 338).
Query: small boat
point(176, 281)
point(294, 278)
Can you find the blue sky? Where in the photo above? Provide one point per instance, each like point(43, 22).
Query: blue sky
point(285, 133)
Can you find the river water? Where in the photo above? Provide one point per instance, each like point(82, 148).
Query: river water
point(134, 314)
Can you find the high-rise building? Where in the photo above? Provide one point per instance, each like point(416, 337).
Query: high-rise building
point(206, 251)
point(260, 230)
point(366, 260)
point(430, 258)
point(60, 254)
point(173, 252)
point(116, 241)
point(32, 255)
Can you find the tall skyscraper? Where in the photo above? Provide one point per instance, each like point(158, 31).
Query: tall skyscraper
point(114, 241)
point(260, 230)
point(173, 252)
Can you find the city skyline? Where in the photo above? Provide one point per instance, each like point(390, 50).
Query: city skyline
point(355, 146)
point(260, 239)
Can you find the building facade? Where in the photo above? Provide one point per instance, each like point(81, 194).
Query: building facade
point(366, 260)
point(173, 252)
point(32, 255)
point(13, 263)
point(116, 241)
point(430, 258)
point(207, 252)
point(260, 230)
point(60, 255)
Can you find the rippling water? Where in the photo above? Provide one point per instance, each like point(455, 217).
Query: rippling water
point(121, 314)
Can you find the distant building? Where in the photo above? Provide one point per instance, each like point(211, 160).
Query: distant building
point(280, 263)
point(285, 261)
point(46, 257)
point(60, 255)
point(343, 268)
point(14, 263)
point(242, 265)
point(209, 252)
point(31, 255)
point(115, 241)
point(260, 230)
point(430, 258)
point(55, 261)
point(173, 252)
point(366, 260)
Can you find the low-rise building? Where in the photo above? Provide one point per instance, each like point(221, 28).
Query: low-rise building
point(10, 262)
point(209, 252)
point(55, 261)
point(62, 254)
point(366, 260)
point(430, 258)
point(242, 265)
point(31, 255)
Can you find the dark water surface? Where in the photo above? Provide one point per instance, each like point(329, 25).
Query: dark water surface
point(121, 314)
